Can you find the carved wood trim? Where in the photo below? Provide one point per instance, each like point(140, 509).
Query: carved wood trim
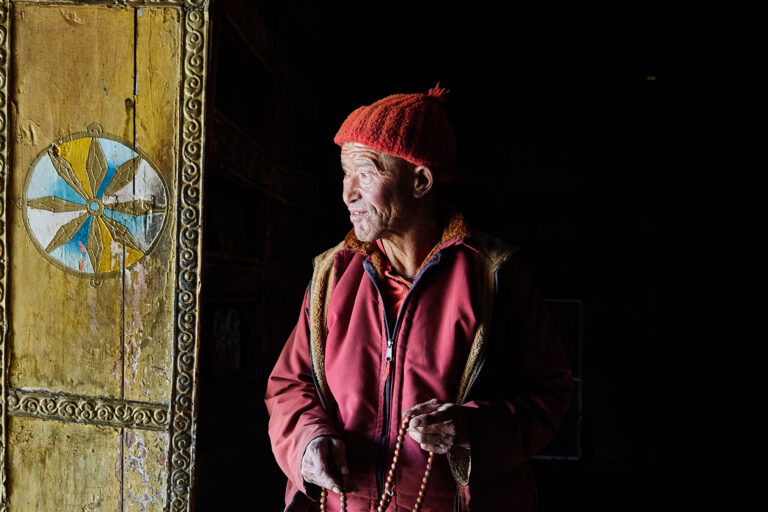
point(188, 258)
point(186, 4)
point(4, 59)
point(111, 412)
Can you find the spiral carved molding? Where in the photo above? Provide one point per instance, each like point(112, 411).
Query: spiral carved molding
point(4, 52)
point(181, 450)
point(85, 409)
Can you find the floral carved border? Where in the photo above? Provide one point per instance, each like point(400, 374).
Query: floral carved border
point(85, 409)
point(4, 58)
point(189, 190)
point(189, 4)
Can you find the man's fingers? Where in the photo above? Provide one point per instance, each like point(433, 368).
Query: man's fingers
point(431, 439)
point(326, 480)
point(423, 408)
point(432, 442)
point(430, 413)
point(317, 471)
point(446, 412)
point(338, 457)
point(324, 463)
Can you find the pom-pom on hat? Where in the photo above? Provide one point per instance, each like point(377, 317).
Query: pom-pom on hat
point(414, 127)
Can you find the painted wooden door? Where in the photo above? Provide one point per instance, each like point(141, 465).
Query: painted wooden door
point(100, 157)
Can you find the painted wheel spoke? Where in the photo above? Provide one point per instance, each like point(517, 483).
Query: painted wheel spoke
point(66, 232)
point(123, 176)
point(64, 170)
point(95, 165)
point(54, 204)
point(121, 234)
point(95, 245)
point(137, 207)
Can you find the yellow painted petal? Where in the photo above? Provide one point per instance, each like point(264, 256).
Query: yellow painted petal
point(132, 256)
point(106, 255)
point(113, 252)
point(76, 153)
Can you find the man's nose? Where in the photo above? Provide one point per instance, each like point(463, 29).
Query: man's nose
point(350, 192)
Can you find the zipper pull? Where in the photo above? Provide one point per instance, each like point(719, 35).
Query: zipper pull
point(390, 346)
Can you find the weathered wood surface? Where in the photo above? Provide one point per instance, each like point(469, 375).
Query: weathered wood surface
point(149, 307)
point(63, 466)
point(120, 67)
point(72, 67)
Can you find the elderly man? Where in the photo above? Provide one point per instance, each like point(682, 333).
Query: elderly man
point(414, 315)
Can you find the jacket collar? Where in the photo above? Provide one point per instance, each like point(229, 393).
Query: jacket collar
point(456, 231)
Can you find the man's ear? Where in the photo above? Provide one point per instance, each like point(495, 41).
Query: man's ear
point(423, 180)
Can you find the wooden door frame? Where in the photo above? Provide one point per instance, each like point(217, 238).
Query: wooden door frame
point(179, 420)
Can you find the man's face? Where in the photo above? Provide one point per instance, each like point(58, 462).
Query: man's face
point(378, 196)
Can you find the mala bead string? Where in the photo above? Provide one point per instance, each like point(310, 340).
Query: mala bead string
point(389, 484)
point(324, 501)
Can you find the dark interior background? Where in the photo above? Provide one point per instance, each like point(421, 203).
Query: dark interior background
point(554, 105)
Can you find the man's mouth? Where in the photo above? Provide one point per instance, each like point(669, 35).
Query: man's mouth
point(356, 214)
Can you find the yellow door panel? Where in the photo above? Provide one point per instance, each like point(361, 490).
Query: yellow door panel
point(62, 466)
point(101, 115)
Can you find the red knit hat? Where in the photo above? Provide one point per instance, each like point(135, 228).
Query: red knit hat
point(414, 127)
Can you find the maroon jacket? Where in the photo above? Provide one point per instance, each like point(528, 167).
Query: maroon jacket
point(473, 330)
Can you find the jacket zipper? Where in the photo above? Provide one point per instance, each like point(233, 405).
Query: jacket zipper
point(391, 335)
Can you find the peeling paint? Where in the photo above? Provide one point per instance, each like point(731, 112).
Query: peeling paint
point(118, 463)
point(116, 369)
point(144, 461)
point(117, 255)
point(71, 17)
point(119, 471)
point(92, 310)
point(136, 290)
point(26, 133)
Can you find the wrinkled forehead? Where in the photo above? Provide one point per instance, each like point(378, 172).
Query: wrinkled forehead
point(354, 152)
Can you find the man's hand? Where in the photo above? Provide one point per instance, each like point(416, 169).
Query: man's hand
point(438, 426)
point(325, 464)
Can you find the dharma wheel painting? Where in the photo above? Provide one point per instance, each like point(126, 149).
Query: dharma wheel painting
point(94, 204)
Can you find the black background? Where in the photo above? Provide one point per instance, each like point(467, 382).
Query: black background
point(554, 106)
